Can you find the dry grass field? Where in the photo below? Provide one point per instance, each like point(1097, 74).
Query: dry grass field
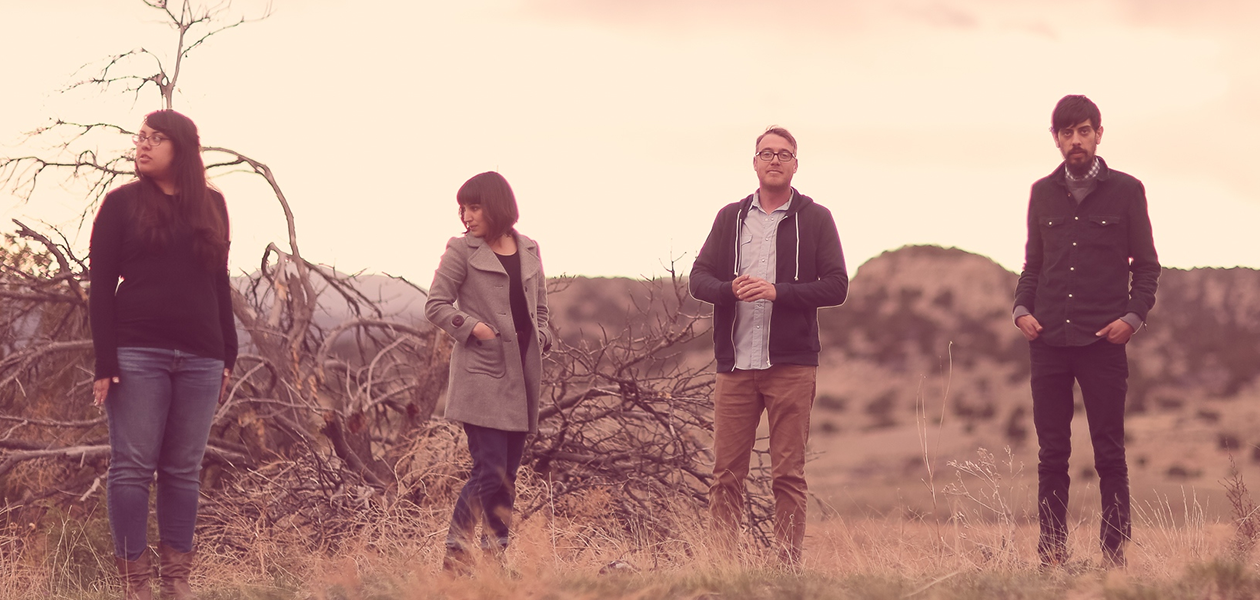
point(868, 558)
point(978, 543)
point(923, 475)
point(1175, 454)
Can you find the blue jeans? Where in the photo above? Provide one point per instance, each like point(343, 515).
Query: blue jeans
point(159, 415)
point(490, 492)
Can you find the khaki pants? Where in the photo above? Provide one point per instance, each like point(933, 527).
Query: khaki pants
point(786, 394)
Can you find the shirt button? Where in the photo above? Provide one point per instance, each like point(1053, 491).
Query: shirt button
point(1076, 218)
point(1068, 320)
point(1069, 295)
point(1071, 268)
point(1073, 243)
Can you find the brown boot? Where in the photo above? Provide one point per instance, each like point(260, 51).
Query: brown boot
point(135, 576)
point(174, 574)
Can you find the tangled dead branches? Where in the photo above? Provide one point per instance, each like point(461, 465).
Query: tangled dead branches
point(328, 412)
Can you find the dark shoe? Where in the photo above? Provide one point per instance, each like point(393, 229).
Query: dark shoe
point(174, 572)
point(495, 557)
point(457, 562)
point(494, 554)
point(135, 576)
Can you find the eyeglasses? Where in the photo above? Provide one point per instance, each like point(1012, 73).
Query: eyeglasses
point(784, 155)
point(154, 140)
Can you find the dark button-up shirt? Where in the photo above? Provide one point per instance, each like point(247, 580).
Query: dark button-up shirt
point(1087, 264)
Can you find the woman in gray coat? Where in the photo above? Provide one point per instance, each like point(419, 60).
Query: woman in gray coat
point(489, 293)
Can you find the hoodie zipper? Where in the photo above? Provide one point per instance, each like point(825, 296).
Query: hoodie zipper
point(740, 215)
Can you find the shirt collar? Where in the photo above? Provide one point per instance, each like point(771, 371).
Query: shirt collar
point(1093, 172)
point(786, 205)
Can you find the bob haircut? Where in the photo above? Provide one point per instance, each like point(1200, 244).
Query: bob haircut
point(779, 131)
point(195, 204)
point(492, 193)
point(1072, 110)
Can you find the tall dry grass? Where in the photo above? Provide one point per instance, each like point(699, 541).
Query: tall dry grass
point(565, 552)
point(977, 541)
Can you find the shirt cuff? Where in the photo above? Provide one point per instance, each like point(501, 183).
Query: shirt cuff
point(1134, 321)
point(1019, 312)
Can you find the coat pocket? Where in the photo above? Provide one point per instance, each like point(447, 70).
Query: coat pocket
point(486, 357)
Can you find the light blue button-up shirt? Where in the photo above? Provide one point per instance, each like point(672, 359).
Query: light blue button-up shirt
point(757, 255)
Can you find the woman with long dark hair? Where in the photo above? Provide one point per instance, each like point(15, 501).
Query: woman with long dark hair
point(165, 344)
point(489, 294)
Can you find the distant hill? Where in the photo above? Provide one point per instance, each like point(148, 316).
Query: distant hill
point(1203, 334)
point(911, 310)
point(922, 364)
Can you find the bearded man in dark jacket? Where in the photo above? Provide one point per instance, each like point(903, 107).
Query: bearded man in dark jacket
point(1089, 279)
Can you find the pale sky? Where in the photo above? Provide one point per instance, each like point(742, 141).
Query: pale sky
point(623, 126)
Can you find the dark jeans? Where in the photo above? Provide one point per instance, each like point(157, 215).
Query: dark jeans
point(159, 416)
point(490, 492)
point(1102, 370)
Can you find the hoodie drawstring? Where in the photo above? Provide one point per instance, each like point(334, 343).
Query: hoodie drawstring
point(796, 277)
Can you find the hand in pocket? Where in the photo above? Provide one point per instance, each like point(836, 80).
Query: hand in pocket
point(482, 331)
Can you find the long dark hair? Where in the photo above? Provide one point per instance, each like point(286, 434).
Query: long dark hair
point(194, 204)
point(498, 203)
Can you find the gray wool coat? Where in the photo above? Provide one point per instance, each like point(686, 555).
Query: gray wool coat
point(488, 386)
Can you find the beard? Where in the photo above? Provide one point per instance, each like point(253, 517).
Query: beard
point(1079, 162)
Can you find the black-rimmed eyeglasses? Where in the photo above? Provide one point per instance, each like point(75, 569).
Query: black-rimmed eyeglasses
point(784, 155)
point(154, 140)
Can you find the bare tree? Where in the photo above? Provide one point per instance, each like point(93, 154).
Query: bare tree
point(358, 383)
point(632, 411)
point(132, 72)
point(331, 398)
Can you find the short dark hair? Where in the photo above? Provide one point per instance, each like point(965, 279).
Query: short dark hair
point(498, 204)
point(1073, 109)
point(779, 131)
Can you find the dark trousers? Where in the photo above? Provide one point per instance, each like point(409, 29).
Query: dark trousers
point(490, 492)
point(1102, 370)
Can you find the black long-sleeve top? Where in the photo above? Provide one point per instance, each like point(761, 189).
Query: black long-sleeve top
point(1087, 264)
point(516, 291)
point(142, 298)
